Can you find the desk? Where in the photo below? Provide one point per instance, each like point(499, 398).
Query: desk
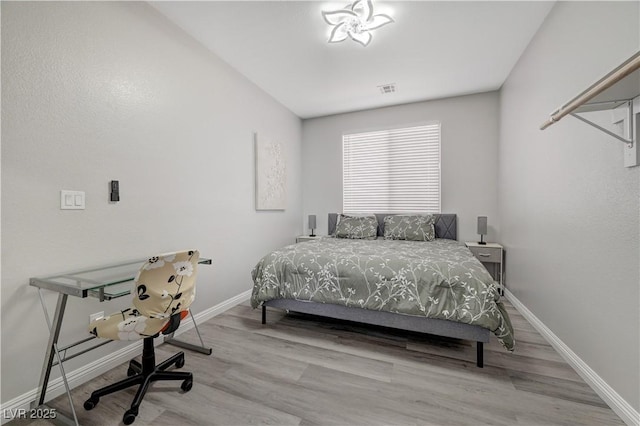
point(104, 283)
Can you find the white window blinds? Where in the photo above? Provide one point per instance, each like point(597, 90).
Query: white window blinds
point(392, 171)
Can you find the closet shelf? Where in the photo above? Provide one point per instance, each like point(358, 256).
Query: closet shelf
point(620, 91)
point(615, 89)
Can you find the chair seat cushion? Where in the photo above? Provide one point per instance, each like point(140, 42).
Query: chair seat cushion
point(127, 324)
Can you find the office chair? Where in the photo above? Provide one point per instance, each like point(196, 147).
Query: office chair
point(163, 291)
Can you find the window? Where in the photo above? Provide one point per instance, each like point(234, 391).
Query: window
point(392, 171)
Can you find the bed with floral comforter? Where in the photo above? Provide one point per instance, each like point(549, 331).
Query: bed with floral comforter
point(435, 279)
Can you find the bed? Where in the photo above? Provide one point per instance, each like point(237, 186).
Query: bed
point(436, 287)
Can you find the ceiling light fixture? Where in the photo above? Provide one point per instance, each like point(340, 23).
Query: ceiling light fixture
point(355, 21)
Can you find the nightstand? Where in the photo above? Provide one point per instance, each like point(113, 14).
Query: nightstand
point(302, 238)
point(491, 255)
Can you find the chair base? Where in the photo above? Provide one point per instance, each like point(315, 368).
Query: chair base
point(143, 374)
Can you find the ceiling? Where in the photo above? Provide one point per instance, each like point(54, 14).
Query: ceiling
point(433, 50)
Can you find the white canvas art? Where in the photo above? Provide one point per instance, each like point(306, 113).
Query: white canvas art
point(271, 174)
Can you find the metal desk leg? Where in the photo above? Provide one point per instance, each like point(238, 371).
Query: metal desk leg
point(54, 333)
point(202, 349)
point(52, 350)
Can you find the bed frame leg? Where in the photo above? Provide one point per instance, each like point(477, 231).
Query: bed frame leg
point(264, 314)
point(479, 355)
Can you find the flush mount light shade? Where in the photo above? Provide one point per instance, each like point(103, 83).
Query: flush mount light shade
point(355, 21)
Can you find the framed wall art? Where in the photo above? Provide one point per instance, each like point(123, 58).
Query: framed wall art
point(271, 174)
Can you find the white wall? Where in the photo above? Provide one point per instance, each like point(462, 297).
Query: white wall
point(112, 90)
point(569, 208)
point(469, 143)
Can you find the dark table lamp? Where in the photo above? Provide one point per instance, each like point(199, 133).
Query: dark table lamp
point(482, 228)
point(312, 224)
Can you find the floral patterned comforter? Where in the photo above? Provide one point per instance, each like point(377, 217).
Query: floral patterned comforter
point(436, 279)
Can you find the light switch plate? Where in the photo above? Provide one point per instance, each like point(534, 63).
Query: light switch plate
point(71, 200)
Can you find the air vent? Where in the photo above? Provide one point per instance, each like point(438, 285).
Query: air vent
point(387, 88)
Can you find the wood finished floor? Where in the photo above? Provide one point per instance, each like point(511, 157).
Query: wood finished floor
point(300, 370)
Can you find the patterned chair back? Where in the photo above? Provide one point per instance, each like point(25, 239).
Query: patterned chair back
point(166, 284)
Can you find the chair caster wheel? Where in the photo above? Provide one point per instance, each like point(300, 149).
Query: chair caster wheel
point(90, 403)
point(186, 385)
point(129, 417)
point(180, 362)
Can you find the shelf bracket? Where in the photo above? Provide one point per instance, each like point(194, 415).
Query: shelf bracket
point(628, 141)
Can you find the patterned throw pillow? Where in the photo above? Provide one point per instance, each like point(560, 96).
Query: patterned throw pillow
point(357, 227)
point(406, 227)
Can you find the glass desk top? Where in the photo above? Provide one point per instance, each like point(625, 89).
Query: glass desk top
point(104, 282)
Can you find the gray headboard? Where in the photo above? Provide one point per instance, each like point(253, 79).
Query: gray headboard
point(446, 225)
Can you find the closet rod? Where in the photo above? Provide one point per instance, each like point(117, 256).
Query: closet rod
point(631, 65)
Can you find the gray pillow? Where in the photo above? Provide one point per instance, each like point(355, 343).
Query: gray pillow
point(410, 227)
point(357, 227)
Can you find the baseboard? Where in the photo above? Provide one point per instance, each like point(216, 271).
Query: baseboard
point(87, 372)
point(618, 404)
point(74, 378)
point(213, 311)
